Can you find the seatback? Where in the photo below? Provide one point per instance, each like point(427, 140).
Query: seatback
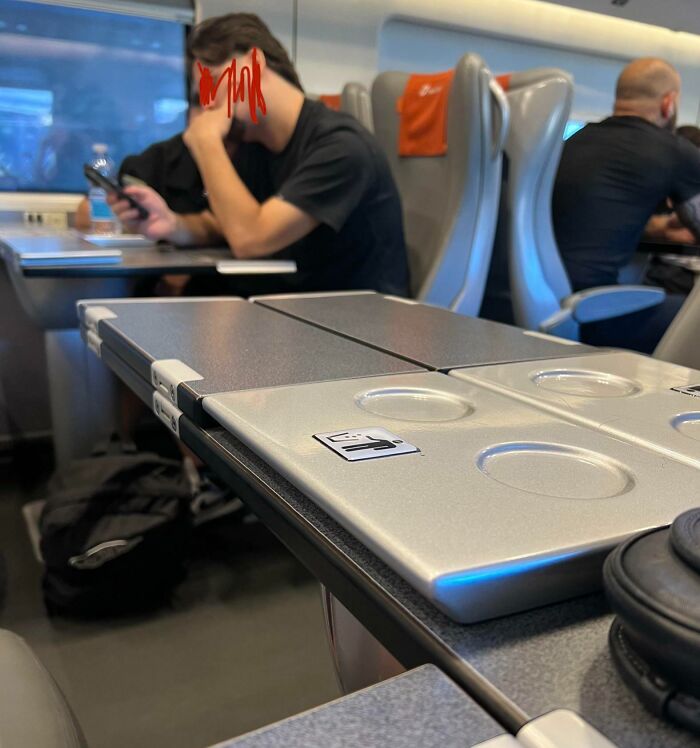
point(679, 344)
point(540, 103)
point(33, 710)
point(449, 202)
point(353, 99)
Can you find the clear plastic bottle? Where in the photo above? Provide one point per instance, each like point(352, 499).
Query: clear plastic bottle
point(102, 219)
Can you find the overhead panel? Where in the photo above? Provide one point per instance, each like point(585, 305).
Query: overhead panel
point(678, 15)
point(181, 11)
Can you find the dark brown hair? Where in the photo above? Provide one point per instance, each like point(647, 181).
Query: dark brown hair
point(216, 40)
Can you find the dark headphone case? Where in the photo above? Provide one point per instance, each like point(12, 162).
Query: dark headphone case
point(653, 584)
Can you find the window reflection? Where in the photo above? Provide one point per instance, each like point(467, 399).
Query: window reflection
point(72, 77)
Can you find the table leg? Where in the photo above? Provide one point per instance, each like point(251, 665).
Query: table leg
point(360, 660)
point(83, 395)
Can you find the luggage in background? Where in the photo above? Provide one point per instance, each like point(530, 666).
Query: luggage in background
point(114, 533)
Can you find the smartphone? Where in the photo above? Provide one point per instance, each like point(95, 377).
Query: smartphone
point(110, 185)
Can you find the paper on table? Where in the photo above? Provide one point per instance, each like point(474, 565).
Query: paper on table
point(123, 241)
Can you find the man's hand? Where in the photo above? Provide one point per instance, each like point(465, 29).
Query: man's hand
point(668, 228)
point(210, 125)
point(689, 215)
point(161, 222)
point(677, 232)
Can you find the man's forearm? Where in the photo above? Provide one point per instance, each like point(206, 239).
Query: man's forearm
point(236, 209)
point(195, 229)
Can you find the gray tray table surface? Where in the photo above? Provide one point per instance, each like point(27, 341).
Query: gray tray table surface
point(422, 708)
point(430, 336)
point(485, 462)
point(630, 396)
point(83, 259)
point(233, 345)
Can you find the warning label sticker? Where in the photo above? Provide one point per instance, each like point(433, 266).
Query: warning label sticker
point(692, 390)
point(365, 444)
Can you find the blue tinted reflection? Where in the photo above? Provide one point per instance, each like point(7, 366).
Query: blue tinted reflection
point(70, 78)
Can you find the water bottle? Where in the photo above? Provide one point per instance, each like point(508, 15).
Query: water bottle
point(102, 219)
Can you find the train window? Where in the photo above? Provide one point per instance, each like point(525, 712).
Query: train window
point(71, 77)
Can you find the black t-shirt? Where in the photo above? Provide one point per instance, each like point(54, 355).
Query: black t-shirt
point(333, 169)
point(170, 170)
point(612, 177)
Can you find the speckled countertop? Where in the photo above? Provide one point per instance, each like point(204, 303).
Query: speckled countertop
point(422, 708)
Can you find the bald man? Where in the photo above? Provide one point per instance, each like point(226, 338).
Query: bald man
point(612, 177)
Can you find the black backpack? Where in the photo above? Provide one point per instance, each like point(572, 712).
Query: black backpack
point(114, 533)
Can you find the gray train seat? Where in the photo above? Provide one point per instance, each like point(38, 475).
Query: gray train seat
point(353, 99)
point(540, 103)
point(33, 711)
point(450, 202)
point(679, 345)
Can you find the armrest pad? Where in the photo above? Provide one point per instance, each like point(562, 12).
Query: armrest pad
point(560, 323)
point(33, 711)
point(606, 302)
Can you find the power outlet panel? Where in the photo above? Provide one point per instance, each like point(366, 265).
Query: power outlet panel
point(49, 219)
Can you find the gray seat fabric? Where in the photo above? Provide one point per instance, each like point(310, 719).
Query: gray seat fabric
point(450, 202)
point(679, 344)
point(33, 711)
point(355, 100)
point(540, 103)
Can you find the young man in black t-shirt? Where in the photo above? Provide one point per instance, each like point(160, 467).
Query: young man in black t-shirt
point(304, 182)
point(612, 177)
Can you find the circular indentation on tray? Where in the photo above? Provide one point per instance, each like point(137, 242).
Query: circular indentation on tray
point(414, 404)
point(687, 424)
point(556, 470)
point(585, 383)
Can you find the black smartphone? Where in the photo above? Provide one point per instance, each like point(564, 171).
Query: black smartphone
point(110, 185)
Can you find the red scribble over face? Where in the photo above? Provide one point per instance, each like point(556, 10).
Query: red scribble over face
point(237, 82)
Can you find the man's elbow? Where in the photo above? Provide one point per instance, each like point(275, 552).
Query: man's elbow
point(247, 246)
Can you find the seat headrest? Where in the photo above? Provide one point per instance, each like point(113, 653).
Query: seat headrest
point(332, 101)
point(514, 82)
point(423, 114)
point(504, 80)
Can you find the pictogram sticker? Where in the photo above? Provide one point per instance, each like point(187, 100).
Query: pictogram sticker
point(365, 444)
point(692, 390)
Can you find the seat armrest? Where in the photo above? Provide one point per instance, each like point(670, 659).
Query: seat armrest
point(33, 711)
point(560, 323)
point(606, 302)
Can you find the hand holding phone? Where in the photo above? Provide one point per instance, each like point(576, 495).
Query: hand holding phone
point(110, 185)
point(161, 222)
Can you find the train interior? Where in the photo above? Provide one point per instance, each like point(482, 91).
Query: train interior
point(294, 604)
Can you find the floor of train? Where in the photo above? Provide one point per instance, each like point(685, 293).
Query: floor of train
point(243, 645)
